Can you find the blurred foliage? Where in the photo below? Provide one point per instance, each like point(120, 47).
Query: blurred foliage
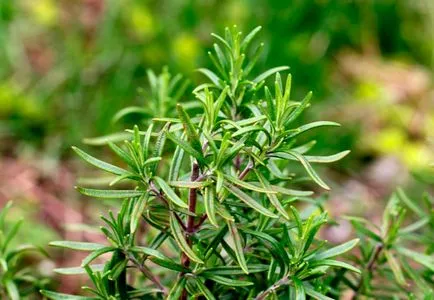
point(65, 59)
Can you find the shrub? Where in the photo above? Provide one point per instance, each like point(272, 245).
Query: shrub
point(212, 210)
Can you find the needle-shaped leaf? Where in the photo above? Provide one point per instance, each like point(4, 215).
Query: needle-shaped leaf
point(211, 76)
point(314, 294)
point(61, 296)
point(249, 200)
point(227, 281)
point(137, 212)
point(189, 184)
point(180, 239)
point(395, 267)
point(187, 148)
point(295, 132)
point(99, 163)
point(204, 290)
point(110, 194)
point(176, 290)
point(334, 263)
point(249, 186)
point(159, 258)
point(209, 197)
point(338, 250)
point(239, 249)
point(235, 270)
point(272, 197)
point(81, 246)
point(249, 37)
point(298, 110)
point(306, 165)
point(95, 254)
point(268, 73)
point(190, 128)
point(326, 159)
point(423, 259)
point(79, 270)
point(130, 110)
point(299, 292)
point(171, 195)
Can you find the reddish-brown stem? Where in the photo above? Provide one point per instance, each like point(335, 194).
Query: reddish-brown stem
point(190, 228)
point(246, 170)
point(369, 267)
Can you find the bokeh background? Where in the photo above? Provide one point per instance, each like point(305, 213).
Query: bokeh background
point(67, 66)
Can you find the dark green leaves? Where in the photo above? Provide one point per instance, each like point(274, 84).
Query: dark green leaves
point(171, 195)
point(239, 249)
point(180, 240)
point(249, 200)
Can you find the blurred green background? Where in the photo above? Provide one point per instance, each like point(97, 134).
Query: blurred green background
point(66, 67)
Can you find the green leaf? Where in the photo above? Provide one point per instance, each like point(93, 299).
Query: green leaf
point(79, 270)
point(296, 112)
point(328, 158)
point(227, 281)
point(306, 165)
point(268, 73)
point(248, 186)
point(425, 260)
point(239, 249)
point(209, 197)
point(138, 210)
point(204, 290)
point(11, 234)
point(249, 37)
point(211, 76)
point(159, 258)
point(171, 195)
point(189, 184)
point(130, 110)
point(273, 198)
point(110, 194)
point(249, 200)
point(298, 220)
point(396, 268)
point(335, 251)
point(298, 289)
point(314, 294)
point(294, 132)
point(12, 290)
point(187, 148)
point(99, 163)
point(410, 203)
point(95, 254)
point(334, 263)
point(234, 270)
point(176, 291)
point(60, 296)
point(81, 246)
point(180, 240)
point(190, 128)
point(106, 139)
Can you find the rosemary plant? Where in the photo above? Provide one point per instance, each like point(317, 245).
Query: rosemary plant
point(17, 279)
point(212, 210)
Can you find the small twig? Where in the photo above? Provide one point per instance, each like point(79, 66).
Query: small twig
point(284, 281)
point(192, 200)
point(369, 267)
point(246, 170)
point(147, 273)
